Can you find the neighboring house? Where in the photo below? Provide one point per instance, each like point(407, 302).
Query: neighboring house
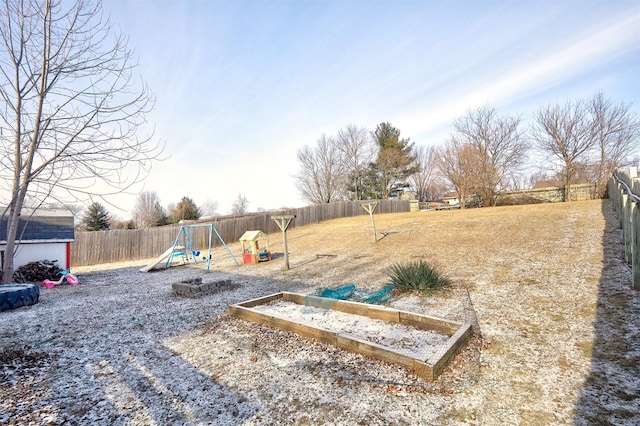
point(450, 199)
point(407, 195)
point(548, 184)
point(45, 234)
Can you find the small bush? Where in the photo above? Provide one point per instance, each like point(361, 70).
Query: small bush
point(417, 276)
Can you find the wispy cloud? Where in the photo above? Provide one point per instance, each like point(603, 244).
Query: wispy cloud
point(563, 63)
point(242, 85)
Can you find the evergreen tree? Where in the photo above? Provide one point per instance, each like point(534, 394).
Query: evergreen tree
point(371, 183)
point(97, 218)
point(388, 176)
point(186, 209)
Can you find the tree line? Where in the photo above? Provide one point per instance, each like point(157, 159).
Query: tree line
point(148, 212)
point(578, 141)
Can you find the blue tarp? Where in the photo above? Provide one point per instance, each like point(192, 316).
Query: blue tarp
point(350, 292)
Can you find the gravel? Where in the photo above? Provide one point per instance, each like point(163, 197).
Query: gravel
point(121, 348)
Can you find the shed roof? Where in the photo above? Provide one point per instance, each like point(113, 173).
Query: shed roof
point(41, 226)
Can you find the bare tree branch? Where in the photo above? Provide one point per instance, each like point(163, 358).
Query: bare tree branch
point(617, 137)
point(458, 162)
point(427, 182)
point(357, 151)
point(500, 147)
point(565, 132)
point(73, 107)
point(321, 178)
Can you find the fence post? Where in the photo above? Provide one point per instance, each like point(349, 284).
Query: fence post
point(618, 200)
point(635, 236)
point(635, 240)
point(622, 193)
point(627, 227)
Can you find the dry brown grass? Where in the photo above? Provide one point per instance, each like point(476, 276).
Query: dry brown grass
point(535, 274)
point(549, 286)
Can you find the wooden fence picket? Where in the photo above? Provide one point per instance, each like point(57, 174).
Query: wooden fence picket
point(118, 245)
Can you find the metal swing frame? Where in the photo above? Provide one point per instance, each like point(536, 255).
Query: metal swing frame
point(185, 233)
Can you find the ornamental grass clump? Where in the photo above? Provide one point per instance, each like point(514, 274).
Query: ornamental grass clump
point(417, 276)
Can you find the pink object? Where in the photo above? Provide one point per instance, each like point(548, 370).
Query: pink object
point(52, 284)
point(71, 280)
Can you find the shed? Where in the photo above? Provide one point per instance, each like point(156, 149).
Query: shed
point(251, 251)
point(43, 234)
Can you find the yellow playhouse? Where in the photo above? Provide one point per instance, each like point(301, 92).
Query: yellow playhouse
point(251, 252)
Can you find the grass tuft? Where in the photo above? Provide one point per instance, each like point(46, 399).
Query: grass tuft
point(417, 276)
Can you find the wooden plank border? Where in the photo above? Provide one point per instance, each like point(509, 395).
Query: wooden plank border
point(430, 369)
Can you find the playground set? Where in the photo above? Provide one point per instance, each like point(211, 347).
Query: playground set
point(182, 249)
point(251, 252)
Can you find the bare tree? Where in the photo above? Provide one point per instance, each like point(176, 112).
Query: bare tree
point(71, 107)
point(240, 206)
point(617, 136)
point(148, 212)
point(500, 147)
point(427, 183)
point(565, 132)
point(209, 208)
point(321, 178)
point(458, 162)
point(357, 149)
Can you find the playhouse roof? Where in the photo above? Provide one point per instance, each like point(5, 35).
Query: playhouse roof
point(253, 235)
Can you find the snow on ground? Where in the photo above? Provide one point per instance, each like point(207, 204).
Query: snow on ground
point(549, 289)
point(121, 349)
point(407, 340)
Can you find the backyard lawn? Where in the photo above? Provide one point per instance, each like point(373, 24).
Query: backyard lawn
point(546, 286)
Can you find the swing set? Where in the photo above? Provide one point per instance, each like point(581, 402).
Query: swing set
point(182, 248)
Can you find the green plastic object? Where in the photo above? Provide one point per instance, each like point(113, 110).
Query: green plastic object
point(350, 292)
point(374, 296)
point(341, 292)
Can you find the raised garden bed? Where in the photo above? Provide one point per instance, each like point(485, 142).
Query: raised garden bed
point(450, 336)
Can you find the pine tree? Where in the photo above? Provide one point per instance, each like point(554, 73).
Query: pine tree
point(394, 165)
point(97, 218)
point(186, 209)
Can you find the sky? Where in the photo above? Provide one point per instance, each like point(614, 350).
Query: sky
point(241, 86)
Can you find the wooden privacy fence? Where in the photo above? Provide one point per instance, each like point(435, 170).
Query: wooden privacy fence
point(92, 248)
point(623, 191)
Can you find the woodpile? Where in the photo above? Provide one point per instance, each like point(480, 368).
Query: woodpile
point(36, 272)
